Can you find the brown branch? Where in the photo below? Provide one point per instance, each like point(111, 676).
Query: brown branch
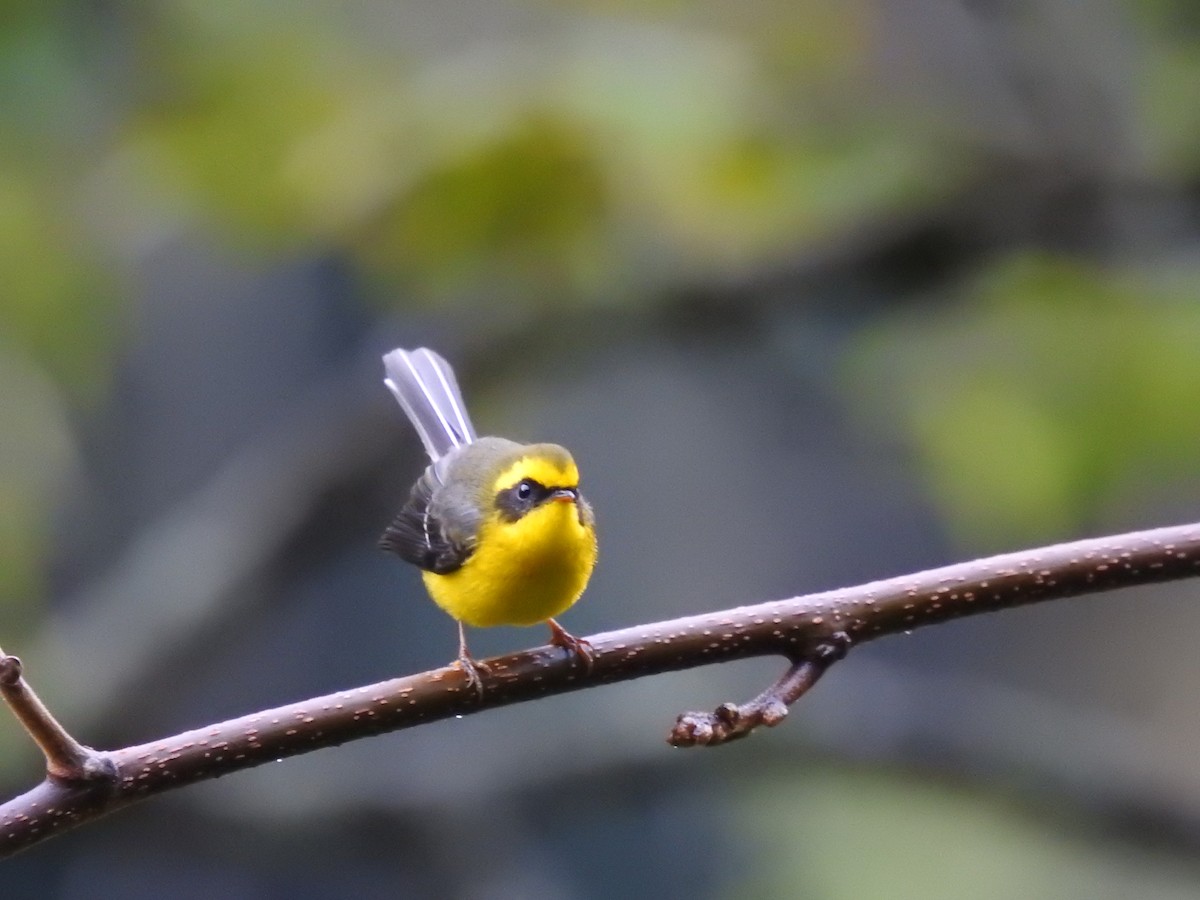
point(67, 760)
point(729, 721)
point(803, 629)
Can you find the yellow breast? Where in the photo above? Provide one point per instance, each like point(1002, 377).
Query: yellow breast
point(521, 572)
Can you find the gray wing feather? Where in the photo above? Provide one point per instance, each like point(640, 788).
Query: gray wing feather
point(422, 537)
point(424, 385)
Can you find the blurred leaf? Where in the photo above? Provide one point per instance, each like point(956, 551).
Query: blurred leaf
point(35, 452)
point(1170, 68)
point(524, 211)
point(42, 83)
point(617, 154)
point(222, 132)
point(757, 197)
point(836, 835)
point(1172, 109)
point(54, 302)
point(1048, 395)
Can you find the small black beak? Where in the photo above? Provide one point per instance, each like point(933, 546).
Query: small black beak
point(564, 495)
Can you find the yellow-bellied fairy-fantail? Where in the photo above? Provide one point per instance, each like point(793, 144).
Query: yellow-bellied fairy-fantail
point(499, 529)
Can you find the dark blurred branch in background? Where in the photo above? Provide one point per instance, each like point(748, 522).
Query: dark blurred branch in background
point(262, 497)
point(807, 630)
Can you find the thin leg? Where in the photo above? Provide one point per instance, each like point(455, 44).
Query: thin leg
point(560, 637)
point(471, 667)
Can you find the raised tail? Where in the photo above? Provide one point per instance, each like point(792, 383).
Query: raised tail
point(425, 386)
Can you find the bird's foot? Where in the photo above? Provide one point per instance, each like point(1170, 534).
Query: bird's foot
point(474, 670)
point(560, 637)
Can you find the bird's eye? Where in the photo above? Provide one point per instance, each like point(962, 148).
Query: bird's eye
point(525, 490)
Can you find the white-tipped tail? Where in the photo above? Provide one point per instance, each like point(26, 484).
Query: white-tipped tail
point(424, 385)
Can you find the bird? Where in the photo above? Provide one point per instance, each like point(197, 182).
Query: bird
point(499, 529)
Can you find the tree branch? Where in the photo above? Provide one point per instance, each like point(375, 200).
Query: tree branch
point(67, 760)
point(809, 631)
point(729, 721)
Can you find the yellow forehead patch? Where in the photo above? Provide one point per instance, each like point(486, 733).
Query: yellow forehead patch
point(550, 467)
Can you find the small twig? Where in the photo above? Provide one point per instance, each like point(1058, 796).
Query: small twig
point(729, 721)
point(67, 760)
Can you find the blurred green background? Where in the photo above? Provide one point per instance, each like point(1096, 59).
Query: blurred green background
point(817, 292)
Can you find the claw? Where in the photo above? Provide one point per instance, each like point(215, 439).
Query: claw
point(560, 637)
point(472, 668)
